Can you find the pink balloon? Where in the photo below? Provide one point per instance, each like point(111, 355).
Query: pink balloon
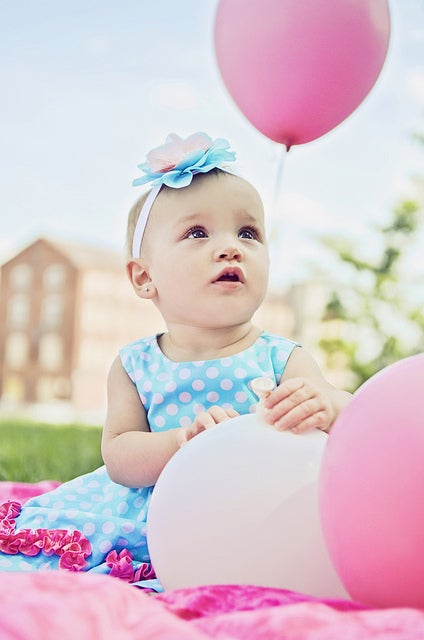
point(372, 489)
point(297, 68)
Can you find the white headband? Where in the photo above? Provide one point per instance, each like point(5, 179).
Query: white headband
point(140, 227)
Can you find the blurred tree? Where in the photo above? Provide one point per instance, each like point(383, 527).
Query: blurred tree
point(380, 317)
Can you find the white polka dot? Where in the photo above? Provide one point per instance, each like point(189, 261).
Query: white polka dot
point(127, 527)
point(123, 492)
point(58, 504)
point(94, 484)
point(227, 406)
point(44, 501)
point(89, 528)
point(240, 396)
point(138, 374)
point(240, 373)
point(143, 398)
point(153, 367)
point(171, 386)
point(85, 506)
point(172, 409)
point(70, 497)
point(226, 384)
point(105, 546)
point(261, 357)
point(281, 355)
point(184, 373)
point(144, 356)
point(198, 385)
point(122, 508)
point(157, 398)
point(252, 408)
point(147, 386)
point(72, 514)
point(139, 502)
point(24, 566)
point(185, 421)
point(107, 513)
point(198, 363)
point(141, 516)
point(212, 396)
point(226, 362)
point(159, 421)
point(212, 372)
point(162, 376)
point(97, 497)
point(108, 527)
point(197, 408)
point(184, 396)
point(52, 516)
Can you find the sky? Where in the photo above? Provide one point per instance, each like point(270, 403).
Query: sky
point(89, 87)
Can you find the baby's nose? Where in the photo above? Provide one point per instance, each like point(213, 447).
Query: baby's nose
point(229, 253)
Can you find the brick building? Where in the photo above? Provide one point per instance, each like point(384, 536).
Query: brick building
point(65, 309)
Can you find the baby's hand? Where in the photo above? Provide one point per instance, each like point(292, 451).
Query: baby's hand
point(299, 405)
point(204, 420)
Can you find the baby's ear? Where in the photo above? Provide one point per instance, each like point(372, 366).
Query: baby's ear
point(140, 279)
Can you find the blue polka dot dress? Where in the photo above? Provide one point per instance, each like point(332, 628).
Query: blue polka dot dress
point(93, 524)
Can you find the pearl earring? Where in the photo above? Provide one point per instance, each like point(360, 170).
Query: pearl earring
point(146, 288)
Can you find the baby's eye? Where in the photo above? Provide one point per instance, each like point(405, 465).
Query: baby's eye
point(249, 233)
point(196, 233)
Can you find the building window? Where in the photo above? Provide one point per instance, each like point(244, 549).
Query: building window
point(20, 277)
point(16, 351)
point(54, 277)
point(18, 311)
point(50, 352)
point(52, 311)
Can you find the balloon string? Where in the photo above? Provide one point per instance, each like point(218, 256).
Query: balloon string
point(275, 235)
point(279, 177)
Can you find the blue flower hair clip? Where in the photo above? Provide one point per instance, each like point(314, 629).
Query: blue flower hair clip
point(177, 161)
point(174, 164)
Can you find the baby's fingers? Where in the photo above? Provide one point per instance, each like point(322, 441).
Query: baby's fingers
point(220, 415)
point(290, 390)
point(295, 415)
point(205, 420)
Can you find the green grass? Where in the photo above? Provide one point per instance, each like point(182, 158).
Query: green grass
point(30, 452)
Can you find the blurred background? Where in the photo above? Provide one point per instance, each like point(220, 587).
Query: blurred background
point(87, 90)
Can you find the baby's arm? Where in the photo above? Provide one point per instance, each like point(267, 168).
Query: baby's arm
point(304, 399)
point(134, 456)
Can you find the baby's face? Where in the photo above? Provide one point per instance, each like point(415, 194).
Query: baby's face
point(206, 251)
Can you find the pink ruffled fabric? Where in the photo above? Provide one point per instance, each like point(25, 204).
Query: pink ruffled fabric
point(72, 547)
point(121, 567)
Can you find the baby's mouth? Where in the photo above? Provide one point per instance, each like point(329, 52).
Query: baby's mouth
point(230, 275)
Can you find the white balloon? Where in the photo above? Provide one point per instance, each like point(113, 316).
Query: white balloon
point(238, 504)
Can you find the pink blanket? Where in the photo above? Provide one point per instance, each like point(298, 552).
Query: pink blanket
point(40, 606)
